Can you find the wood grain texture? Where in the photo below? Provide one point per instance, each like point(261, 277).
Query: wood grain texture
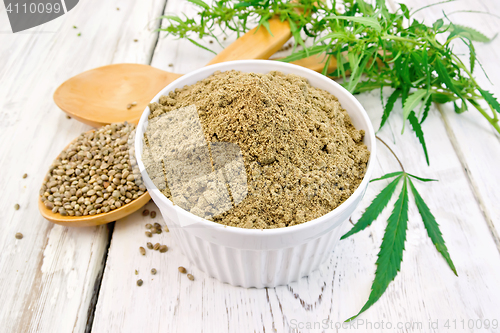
point(425, 290)
point(49, 279)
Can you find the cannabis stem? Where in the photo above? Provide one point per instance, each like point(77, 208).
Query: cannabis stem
point(393, 153)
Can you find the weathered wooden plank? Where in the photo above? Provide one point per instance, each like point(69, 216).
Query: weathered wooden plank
point(425, 289)
point(49, 279)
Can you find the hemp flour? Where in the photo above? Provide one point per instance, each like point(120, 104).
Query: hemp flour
point(299, 154)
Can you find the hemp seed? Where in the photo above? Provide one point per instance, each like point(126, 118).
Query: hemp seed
point(95, 174)
point(145, 212)
point(139, 282)
point(19, 235)
point(163, 249)
point(25, 175)
point(153, 214)
point(16, 206)
point(149, 245)
point(190, 277)
point(156, 247)
point(149, 234)
point(182, 270)
point(153, 271)
point(142, 251)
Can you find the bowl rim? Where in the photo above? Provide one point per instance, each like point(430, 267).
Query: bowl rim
point(225, 66)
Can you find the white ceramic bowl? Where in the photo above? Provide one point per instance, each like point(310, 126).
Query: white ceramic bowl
point(259, 258)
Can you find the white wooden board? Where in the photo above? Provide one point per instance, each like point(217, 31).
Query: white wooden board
point(426, 290)
point(49, 278)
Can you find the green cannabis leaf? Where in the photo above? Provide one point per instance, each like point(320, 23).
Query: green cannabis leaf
point(377, 206)
point(432, 227)
point(391, 251)
point(378, 48)
point(390, 255)
point(418, 132)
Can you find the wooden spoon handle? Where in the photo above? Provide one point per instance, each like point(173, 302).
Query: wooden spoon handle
point(257, 43)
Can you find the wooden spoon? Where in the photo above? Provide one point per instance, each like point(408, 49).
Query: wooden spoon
point(100, 96)
point(93, 220)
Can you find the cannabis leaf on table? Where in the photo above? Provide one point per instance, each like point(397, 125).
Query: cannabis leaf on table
point(390, 255)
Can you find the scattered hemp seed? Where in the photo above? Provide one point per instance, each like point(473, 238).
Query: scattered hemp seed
point(153, 271)
point(136, 272)
point(19, 235)
point(163, 248)
point(139, 282)
point(149, 245)
point(117, 8)
point(149, 234)
point(148, 226)
point(166, 229)
point(136, 40)
point(152, 214)
point(182, 270)
point(224, 38)
point(68, 117)
point(25, 175)
point(16, 206)
point(154, 230)
point(170, 65)
point(211, 42)
point(145, 212)
point(157, 225)
point(190, 277)
point(156, 247)
point(129, 106)
point(142, 251)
